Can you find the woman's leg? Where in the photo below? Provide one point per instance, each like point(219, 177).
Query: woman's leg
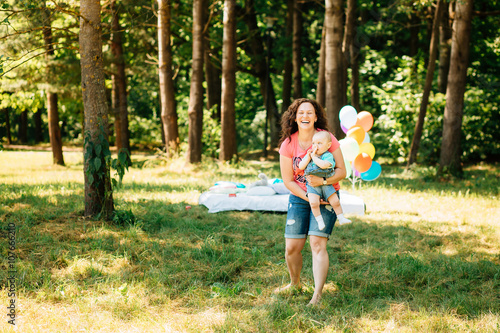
point(293, 256)
point(320, 263)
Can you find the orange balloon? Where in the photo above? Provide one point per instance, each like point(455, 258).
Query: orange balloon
point(364, 120)
point(357, 133)
point(363, 162)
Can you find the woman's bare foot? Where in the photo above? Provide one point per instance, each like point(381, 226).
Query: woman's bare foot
point(289, 288)
point(315, 300)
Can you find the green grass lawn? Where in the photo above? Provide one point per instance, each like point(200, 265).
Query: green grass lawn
point(424, 258)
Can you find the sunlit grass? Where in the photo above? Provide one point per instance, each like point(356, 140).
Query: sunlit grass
point(424, 258)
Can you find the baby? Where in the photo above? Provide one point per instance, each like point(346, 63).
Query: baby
point(319, 162)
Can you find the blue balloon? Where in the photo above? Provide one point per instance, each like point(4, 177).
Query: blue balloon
point(372, 173)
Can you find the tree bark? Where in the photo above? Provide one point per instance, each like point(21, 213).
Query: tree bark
point(228, 145)
point(37, 117)
point(433, 52)
point(52, 108)
point(212, 66)
point(23, 127)
point(444, 49)
point(98, 191)
point(167, 97)
point(297, 50)
point(286, 94)
point(351, 50)
point(350, 25)
point(321, 87)
point(195, 109)
point(333, 64)
point(452, 125)
point(119, 83)
point(7, 126)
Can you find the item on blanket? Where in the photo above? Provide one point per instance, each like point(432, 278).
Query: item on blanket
point(261, 182)
point(225, 183)
point(278, 185)
point(226, 189)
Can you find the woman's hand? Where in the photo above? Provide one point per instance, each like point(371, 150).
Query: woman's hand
point(314, 180)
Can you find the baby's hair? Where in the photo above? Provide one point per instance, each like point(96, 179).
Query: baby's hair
point(324, 135)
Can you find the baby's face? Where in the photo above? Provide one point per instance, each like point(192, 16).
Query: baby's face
point(321, 144)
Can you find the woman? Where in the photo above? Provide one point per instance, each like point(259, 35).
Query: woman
point(300, 122)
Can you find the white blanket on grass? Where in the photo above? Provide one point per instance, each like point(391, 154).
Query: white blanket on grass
point(219, 202)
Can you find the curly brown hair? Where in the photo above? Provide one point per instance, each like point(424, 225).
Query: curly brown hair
point(289, 125)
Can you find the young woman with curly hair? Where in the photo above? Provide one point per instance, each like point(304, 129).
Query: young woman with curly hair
point(299, 123)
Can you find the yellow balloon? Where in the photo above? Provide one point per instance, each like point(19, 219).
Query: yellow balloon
point(367, 147)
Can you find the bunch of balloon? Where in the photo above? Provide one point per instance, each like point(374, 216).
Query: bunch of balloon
point(356, 148)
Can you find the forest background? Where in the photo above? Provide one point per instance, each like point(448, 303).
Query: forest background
point(278, 47)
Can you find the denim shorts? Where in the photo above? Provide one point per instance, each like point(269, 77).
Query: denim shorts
point(324, 191)
point(300, 221)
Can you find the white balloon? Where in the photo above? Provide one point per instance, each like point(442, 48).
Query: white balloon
point(367, 138)
point(349, 148)
point(348, 116)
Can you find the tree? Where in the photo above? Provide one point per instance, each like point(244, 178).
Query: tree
point(286, 94)
point(212, 65)
point(52, 98)
point(321, 85)
point(433, 52)
point(452, 125)
point(167, 97)
point(334, 99)
point(297, 50)
point(98, 191)
point(228, 144)
point(444, 48)
point(119, 82)
point(195, 110)
point(351, 51)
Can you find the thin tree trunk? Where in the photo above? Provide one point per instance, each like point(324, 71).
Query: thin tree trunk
point(54, 129)
point(286, 95)
point(119, 83)
point(444, 49)
point(7, 126)
point(228, 145)
point(52, 108)
point(452, 125)
point(212, 70)
point(23, 127)
point(321, 87)
point(37, 116)
point(433, 52)
point(350, 25)
point(168, 106)
point(195, 109)
point(98, 191)
point(297, 50)
point(333, 64)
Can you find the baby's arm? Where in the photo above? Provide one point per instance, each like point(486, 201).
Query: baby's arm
point(305, 161)
point(321, 163)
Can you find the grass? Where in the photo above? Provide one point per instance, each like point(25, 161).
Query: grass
point(424, 258)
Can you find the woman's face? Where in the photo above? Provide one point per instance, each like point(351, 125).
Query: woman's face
point(306, 116)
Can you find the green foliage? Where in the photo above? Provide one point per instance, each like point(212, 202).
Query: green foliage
point(124, 218)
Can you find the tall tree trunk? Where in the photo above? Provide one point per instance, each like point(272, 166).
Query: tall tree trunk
point(119, 83)
point(98, 191)
point(52, 108)
point(333, 64)
point(452, 125)
point(433, 52)
point(228, 144)
point(321, 86)
point(23, 127)
point(212, 67)
point(37, 116)
point(350, 26)
point(195, 109)
point(297, 50)
point(7, 126)
point(286, 94)
point(353, 49)
point(444, 49)
point(54, 129)
point(167, 97)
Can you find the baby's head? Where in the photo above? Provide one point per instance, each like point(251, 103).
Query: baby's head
point(322, 140)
